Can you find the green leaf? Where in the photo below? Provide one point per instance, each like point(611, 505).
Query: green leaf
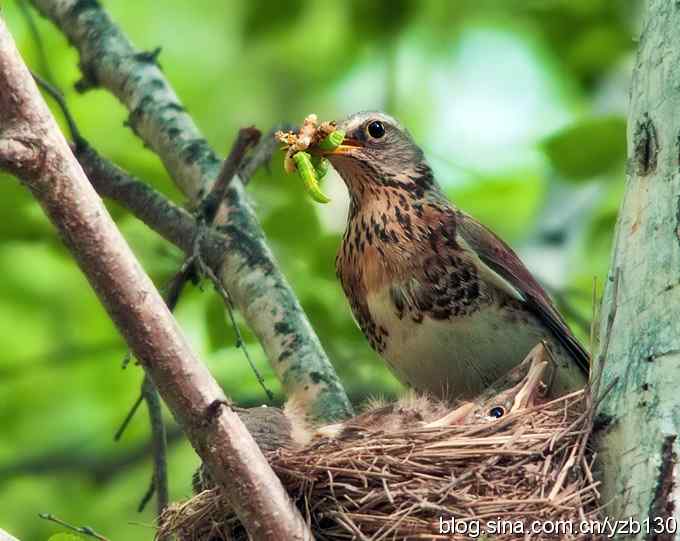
point(587, 148)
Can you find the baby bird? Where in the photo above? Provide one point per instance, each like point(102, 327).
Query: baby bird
point(273, 428)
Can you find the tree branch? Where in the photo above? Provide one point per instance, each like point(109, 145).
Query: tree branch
point(639, 328)
point(84, 530)
point(262, 153)
point(210, 204)
point(194, 397)
point(248, 270)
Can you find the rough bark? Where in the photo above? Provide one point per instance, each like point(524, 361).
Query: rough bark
point(640, 327)
point(33, 149)
point(248, 270)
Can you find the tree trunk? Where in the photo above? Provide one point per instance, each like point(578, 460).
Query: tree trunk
point(640, 327)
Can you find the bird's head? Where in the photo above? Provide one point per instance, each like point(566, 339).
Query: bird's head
point(378, 152)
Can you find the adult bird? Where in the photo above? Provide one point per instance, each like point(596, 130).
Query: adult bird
point(445, 302)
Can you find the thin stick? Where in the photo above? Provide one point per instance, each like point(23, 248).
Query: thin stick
point(128, 418)
point(58, 97)
point(147, 495)
point(37, 38)
point(85, 530)
point(262, 153)
point(602, 355)
point(159, 446)
point(246, 139)
point(207, 271)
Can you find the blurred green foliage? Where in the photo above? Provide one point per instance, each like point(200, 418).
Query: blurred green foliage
point(236, 63)
point(588, 148)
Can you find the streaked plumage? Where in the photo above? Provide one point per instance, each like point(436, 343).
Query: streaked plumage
point(446, 303)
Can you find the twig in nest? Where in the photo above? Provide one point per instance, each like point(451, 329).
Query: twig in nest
point(85, 530)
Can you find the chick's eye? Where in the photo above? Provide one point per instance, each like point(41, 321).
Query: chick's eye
point(497, 412)
point(376, 129)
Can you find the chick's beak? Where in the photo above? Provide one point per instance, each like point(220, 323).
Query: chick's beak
point(531, 386)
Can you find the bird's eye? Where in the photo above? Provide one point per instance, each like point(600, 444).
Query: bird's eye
point(497, 412)
point(376, 129)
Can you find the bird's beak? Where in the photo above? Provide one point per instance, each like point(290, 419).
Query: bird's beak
point(347, 147)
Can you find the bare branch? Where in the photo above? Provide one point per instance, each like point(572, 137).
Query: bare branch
point(262, 153)
point(159, 445)
point(57, 181)
point(57, 96)
point(246, 138)
point(169, 220)
point(207, 271)
point(85, 530)
point(128, 418)
point(248, 269)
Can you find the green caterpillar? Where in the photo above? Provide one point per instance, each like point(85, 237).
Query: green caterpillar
point(332, 140)
point(321, 166)
point(312, 169)
point(308, 174)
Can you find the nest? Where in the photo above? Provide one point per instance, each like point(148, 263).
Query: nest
point(453, 482)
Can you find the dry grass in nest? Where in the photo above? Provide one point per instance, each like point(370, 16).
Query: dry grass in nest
point(533, 464)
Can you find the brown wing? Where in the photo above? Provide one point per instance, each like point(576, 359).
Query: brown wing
point(500, 258)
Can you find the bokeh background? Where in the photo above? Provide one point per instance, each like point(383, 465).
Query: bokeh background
point(519, 105)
